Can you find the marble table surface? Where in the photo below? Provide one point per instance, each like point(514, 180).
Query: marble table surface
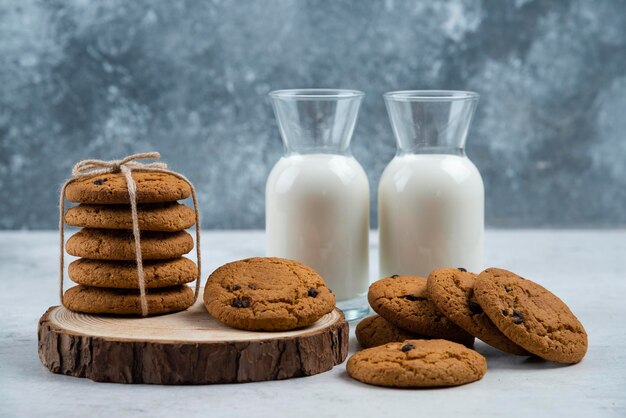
point(585, 268)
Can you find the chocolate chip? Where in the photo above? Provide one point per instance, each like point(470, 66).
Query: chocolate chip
point(233, 287)
point(395, 276)
point(312, 293)
point(507, 289)
point(252, 286)
point(461, 269)
point(413, 298)
point(99, 182)
point(517, 318)
point(505, 312)
point(475, 307)
point(408, 346)
point(241, 302)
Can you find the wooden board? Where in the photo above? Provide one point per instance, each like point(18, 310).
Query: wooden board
point(187, 347)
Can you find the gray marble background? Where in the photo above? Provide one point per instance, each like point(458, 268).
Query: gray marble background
point(101, 79)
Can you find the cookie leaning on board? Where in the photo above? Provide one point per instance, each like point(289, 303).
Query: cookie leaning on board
point(267, 294)
point(497, 306)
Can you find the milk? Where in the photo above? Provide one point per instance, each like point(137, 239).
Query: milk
point(430, 214)
point(317, 212)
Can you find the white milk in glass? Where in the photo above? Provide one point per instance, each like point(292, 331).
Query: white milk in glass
point(318, 213)
point(317, 194)
point(430, 196)
point(431, 214)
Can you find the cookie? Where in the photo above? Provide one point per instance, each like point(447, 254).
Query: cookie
point(97, 300)
point(111, 188)
point(375, 330)
point(452, 292)
point(123, 274)
point(169, 217)
point(112, 244)
point(417, 363)
point(403, 301)
point(531, 316)
point(267, 294)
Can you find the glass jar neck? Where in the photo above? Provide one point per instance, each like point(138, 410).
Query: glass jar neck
point(430, 122)
point(316, 121)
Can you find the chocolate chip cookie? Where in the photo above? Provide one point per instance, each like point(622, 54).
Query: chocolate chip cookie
point(403, 301)
point(375, 330)
point(168, 217)
point(98, 300)
point(112, 188)
point(452, 292)
point(113, 244)
point(267, 294)
point(417, 363)
point(123, 274)
point(531, 316)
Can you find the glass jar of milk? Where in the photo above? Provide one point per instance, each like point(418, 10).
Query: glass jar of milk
point(430, 196)
point(317, 194)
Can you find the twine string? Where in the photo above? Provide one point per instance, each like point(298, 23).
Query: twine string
point(126, 166)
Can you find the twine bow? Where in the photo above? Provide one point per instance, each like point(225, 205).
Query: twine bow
point(126, 166)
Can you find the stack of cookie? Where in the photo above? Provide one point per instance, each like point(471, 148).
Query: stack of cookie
point(267, 294)
point(106, 273)
point(497, 306)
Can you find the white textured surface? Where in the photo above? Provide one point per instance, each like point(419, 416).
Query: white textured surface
point(585, 268)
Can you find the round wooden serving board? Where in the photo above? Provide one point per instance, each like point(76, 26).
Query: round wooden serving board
point(186, 347)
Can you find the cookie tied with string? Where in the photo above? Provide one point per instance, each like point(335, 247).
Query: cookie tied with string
point(110, 188)
point(129, 213)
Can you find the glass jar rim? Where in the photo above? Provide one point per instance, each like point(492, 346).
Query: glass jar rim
point(315, 94)
point(430, 95)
